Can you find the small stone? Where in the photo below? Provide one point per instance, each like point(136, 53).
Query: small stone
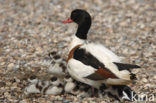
point(11, 65)
point(67, 101)
point(137, 61)
point(23, 101)
point(1, 38)
point(59, 98)
point(39, 50)
point(2, 84)
point(3, 63)
point(144, 80)
point(147, 85)
point(1, 71)
point(154, 77)
point(135, 71)
point(123, 23)
point(16, 67)
point(142, 26)
point(103, 102)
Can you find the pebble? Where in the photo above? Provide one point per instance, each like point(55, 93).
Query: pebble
point(2, 84)
point(137, 61)
point(154, 77)
point(10, 66)
point(23, 101)
point(148, 85)
point(16, 67)
point(39, 50)
point(144, 80)
point(3, 63)
point(66, 101)
point(1, 38)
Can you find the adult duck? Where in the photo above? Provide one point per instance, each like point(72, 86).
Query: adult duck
point(92, 63)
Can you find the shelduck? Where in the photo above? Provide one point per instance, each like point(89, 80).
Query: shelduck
point(91, 63)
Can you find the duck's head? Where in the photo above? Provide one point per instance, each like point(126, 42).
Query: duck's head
point(78, 16)
point(83, 19)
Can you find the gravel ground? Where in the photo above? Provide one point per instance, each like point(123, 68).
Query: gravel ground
point(30, 29)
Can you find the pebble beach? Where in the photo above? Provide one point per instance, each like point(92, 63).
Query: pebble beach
point(30, 29)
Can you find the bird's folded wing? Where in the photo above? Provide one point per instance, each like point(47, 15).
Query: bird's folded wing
point(100, 73)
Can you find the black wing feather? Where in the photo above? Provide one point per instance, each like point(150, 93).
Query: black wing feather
point(87, 58)
point(122, 66)
point(94, 76)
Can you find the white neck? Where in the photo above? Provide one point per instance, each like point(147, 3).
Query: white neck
point(75, 41)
